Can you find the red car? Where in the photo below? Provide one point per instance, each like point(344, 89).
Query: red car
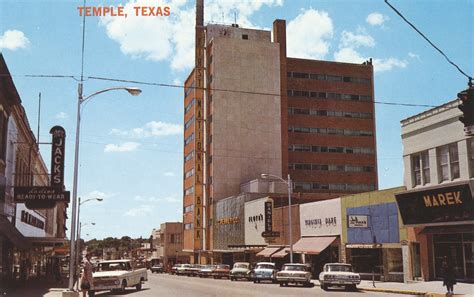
point(221, 271)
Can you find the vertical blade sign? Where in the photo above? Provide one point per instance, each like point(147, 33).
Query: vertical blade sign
point(57, 156)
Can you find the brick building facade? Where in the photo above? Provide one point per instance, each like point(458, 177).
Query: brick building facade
point(268, 113)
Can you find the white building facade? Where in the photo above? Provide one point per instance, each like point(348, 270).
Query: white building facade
point(439, 177)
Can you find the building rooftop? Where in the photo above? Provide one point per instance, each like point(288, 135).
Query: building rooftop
point(430, 112)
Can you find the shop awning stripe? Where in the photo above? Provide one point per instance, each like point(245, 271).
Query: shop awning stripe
point(312, 245)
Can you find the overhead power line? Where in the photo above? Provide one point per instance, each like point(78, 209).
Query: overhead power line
point(429, 41)
point(157, 84)
point(233, 91)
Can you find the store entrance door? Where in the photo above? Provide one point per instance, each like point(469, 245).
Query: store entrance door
point(458, 248)
point(415, 253)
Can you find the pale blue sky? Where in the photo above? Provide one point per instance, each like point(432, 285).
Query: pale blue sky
point(131, 147)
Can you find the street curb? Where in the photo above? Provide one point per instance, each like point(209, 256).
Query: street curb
point(396, 291)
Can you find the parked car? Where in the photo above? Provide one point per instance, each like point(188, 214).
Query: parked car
point(181, 270)
point(192, 270)
point(294, 273)
point(206, 270)
point(241, 270)
point(158, 268)
point(175, 268)
point(264, 271)
point(118, 275)
point(221, 271)
point(339, 274)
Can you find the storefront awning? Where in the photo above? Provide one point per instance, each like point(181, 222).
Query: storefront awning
point(312, 245)
point(268, 251)
point(8, 230)
point(448, 229)
point(47, 241)
point(364, 246)
point(281, 253)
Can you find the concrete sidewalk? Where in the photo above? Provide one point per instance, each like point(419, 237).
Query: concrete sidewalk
point(36, 288)
point(430, 288)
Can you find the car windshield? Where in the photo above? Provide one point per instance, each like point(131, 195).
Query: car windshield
point(265, 266)
point(294, 267)
point(111, 266)
point(241, 265)
point(208, 267)
point(223, 266)
point(339, 268)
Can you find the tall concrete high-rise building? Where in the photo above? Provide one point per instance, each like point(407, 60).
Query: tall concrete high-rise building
point(254, 110)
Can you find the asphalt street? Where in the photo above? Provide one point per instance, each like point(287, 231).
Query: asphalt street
point(183, 286)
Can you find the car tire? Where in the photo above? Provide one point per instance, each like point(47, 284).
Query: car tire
point(307, 284)
point(232, 279)
point(123, 286)
point(91, 293)
point(324, 287)
point(351, 287)
point(282, 284)
point(138, 286)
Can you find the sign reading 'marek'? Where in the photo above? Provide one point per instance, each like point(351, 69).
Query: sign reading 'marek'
point(36, 197)
point(437, 205)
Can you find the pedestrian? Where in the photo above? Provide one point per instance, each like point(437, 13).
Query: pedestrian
point(449, 277)
point(57, 269)
point(87, 282)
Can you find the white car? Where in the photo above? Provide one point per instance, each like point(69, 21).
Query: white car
point(339, 274)
point(118, 275)
point(264, 271)
point(294, 273)
point(181, 270)
point(240, 270)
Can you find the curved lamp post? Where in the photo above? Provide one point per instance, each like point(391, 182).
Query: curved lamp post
point(78, 237)
point(81, 99)
point(288, 182)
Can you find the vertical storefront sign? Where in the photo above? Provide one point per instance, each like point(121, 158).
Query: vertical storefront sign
point(199, 127)
point(268, 216)
point(57, 156)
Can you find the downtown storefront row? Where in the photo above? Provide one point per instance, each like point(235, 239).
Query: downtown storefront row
point(29, 236)
point(365, 230)
point(240, 221)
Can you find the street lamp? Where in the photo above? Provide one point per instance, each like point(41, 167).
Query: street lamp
point(79, 240)
point(81, 99)
point(265, 176)
point(78, 237)
point(79, 211)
